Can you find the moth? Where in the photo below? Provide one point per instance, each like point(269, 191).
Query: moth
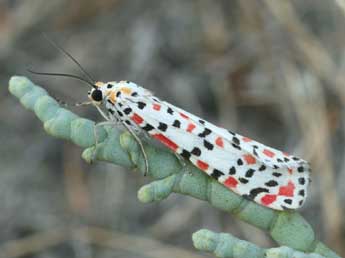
point(269, 177)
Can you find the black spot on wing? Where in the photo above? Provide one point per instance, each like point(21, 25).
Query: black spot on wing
point(236, 146)
point(301, 192)
point(240, 162)
point(288, 201)
point(254, 192)
point(208, 145)
point(205, 133)
point(170, 111)
point(186, 154)
point(262, 168)
point(236, 140)
point(250, 172)
point(162, 126)
point(127, 110)
point(147, 127)
point(176, 124)
point(141, 105)
point(119, 113)
point(196, 151)
point(271, 183)
point(232, 171)
point(300, 169)
point(301, 180)
point(243, 180)
point(216, 174)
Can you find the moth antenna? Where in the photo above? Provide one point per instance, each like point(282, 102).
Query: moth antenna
point(63, 75)
point(54, 44)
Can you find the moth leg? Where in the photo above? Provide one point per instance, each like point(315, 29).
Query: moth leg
point(108, 121)
point(183, 163)
point(130, 130)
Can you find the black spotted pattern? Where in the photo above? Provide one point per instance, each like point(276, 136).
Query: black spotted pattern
point(301, 192)
point(300, 169)
point(232, 171)
point(271, 183)
point(176, 124)
point(216, 174)
point(162, 126)
point(204, 133)
point(301, 180)
point(186, 154)
point(236, 140)
point(243, 180)
point(208, 145)
point(196, 151)
point(254, 192)
point(170, 111)
point(262, 168)
point(119, 113)
point(236, 146)
point(127, 110)
point(250, 172)
point(147, 127)
point(288, 201)
point(141, 105)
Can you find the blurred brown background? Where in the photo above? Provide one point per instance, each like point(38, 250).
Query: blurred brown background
point(271, 70)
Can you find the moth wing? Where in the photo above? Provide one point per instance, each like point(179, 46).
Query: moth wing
point(277, 188)
point(268, 155)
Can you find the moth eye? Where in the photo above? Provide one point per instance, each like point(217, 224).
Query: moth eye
point(109, 86)
point(96, 95)
point(89, 92)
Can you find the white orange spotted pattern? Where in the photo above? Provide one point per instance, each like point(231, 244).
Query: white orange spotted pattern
point(268, 176)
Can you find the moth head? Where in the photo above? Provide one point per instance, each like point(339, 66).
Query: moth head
point(96, 94)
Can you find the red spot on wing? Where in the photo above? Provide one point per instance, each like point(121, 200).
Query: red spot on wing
point(249, 159)
point(137, 119)
point(190, 127)
point(286, 154)
point(156, 107)
point(246, 139)
point(166, 141)
point(231, 182)
point(184, 116)
point(290, 170)
point(268, 153)
point(268, 199)
point(219, 142)
point(202, 165)
point(287, 190)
